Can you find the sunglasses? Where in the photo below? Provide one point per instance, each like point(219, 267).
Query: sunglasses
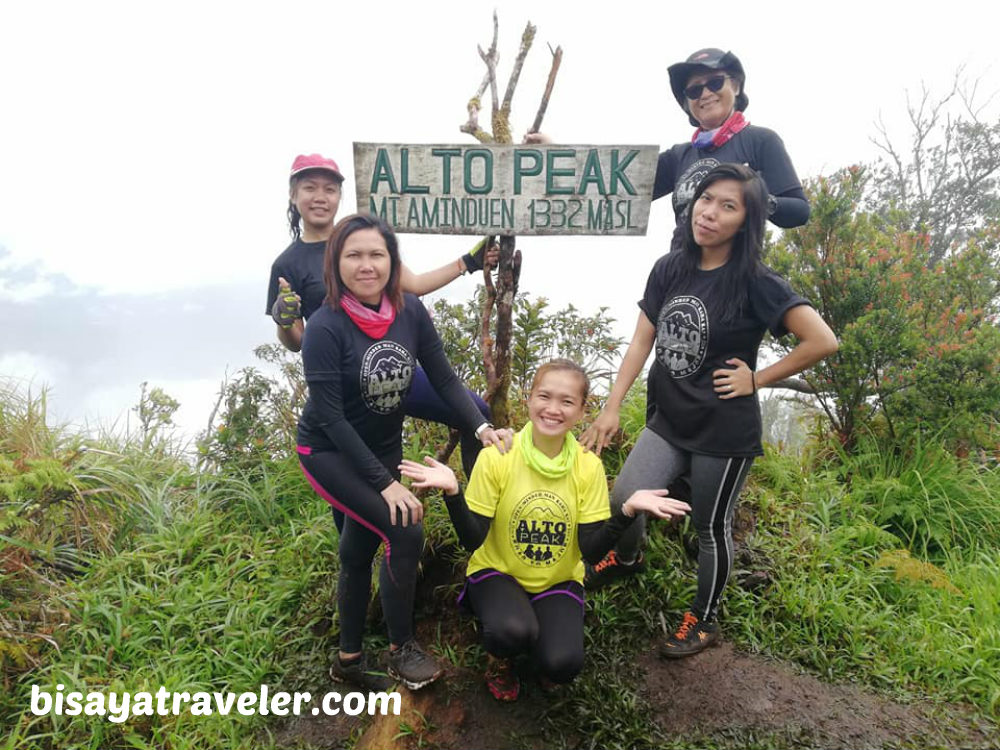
point(713, 84)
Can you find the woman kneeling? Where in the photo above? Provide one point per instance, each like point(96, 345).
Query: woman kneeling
point(530, 517)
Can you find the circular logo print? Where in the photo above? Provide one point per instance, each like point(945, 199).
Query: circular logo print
point(685, 187)
point(386, 372)
point(538, 528)
point(682, 335)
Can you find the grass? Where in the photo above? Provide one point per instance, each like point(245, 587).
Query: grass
point(136, 571)
point(159, 576)
point(852, 600)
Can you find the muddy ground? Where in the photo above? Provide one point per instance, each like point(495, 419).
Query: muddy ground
point(721, 697)
point(720, 693)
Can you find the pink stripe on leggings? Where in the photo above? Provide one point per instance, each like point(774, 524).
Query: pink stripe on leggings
point(321, 491)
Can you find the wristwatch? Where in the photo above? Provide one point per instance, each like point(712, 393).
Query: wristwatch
point(482, 428)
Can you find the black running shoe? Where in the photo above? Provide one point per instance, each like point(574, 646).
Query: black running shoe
point(413, 666)
point(611, 569)
point(358, 673)
point(691, 637)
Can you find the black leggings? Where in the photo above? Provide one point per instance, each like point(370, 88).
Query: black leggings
point(366, 527)
point(549, 625)
point(715, 488)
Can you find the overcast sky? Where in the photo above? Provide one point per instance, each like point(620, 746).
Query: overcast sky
point(145, 149)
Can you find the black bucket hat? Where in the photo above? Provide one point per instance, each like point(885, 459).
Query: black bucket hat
point(713, 59)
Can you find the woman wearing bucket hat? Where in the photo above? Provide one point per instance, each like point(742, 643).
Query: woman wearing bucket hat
point(710, 86)
point(296, 288)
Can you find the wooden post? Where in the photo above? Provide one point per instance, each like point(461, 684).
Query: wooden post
point(508, 274)
point(496, 354)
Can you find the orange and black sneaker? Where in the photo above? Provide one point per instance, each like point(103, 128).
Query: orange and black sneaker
point(691, 637)
point(502, 680)
point(610, 569)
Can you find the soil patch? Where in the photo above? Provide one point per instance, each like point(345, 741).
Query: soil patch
point(722, 690)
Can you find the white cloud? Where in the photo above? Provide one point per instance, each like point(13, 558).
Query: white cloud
point(28, 370)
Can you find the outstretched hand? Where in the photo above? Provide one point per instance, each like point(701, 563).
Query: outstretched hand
point(493, 255)
point(481, 254)
point(656, 503)
point(431, 473)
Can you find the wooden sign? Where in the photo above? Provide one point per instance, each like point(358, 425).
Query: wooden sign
point(506, 189)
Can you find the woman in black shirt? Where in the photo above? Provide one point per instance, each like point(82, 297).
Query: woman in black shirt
point(710, 86)
point(359, 353)
point(706, 308)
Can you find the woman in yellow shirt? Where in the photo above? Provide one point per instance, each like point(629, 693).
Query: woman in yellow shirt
point(531, 517)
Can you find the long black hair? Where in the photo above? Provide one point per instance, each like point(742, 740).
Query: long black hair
point(294, 217)
point(745, 255)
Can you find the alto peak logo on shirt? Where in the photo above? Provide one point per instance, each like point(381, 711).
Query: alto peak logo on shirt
point(688, 182)
point(386, 372)
point(682, 335)
point(539, 528)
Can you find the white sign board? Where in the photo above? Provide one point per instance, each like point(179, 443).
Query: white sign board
point(506, 189)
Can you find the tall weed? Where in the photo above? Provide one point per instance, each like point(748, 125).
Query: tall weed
point(932, 500)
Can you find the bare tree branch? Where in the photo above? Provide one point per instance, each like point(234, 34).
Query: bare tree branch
point(527, 37)
point(501, 115)
point(454, 435)
point(475, 105)
point(491, 72)
point(544, 105)
point(793, 384)
point(489, 364)
point(885, 144)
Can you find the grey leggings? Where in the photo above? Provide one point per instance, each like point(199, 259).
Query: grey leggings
point(716, 482)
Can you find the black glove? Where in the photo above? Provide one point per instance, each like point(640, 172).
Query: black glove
point(474, 258)
point(287, 308)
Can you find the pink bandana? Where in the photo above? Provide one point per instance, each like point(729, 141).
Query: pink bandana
point(373, 323)
point(705, 139)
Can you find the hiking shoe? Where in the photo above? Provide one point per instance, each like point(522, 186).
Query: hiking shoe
point(502, 680)
point(691, 637)
point(610, 569)
point(357, 672)
point(413, 666)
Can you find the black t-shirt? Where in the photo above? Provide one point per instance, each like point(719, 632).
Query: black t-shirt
point(301, 265)
point(682, 167)
point(357, 385)
point(691, 344)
